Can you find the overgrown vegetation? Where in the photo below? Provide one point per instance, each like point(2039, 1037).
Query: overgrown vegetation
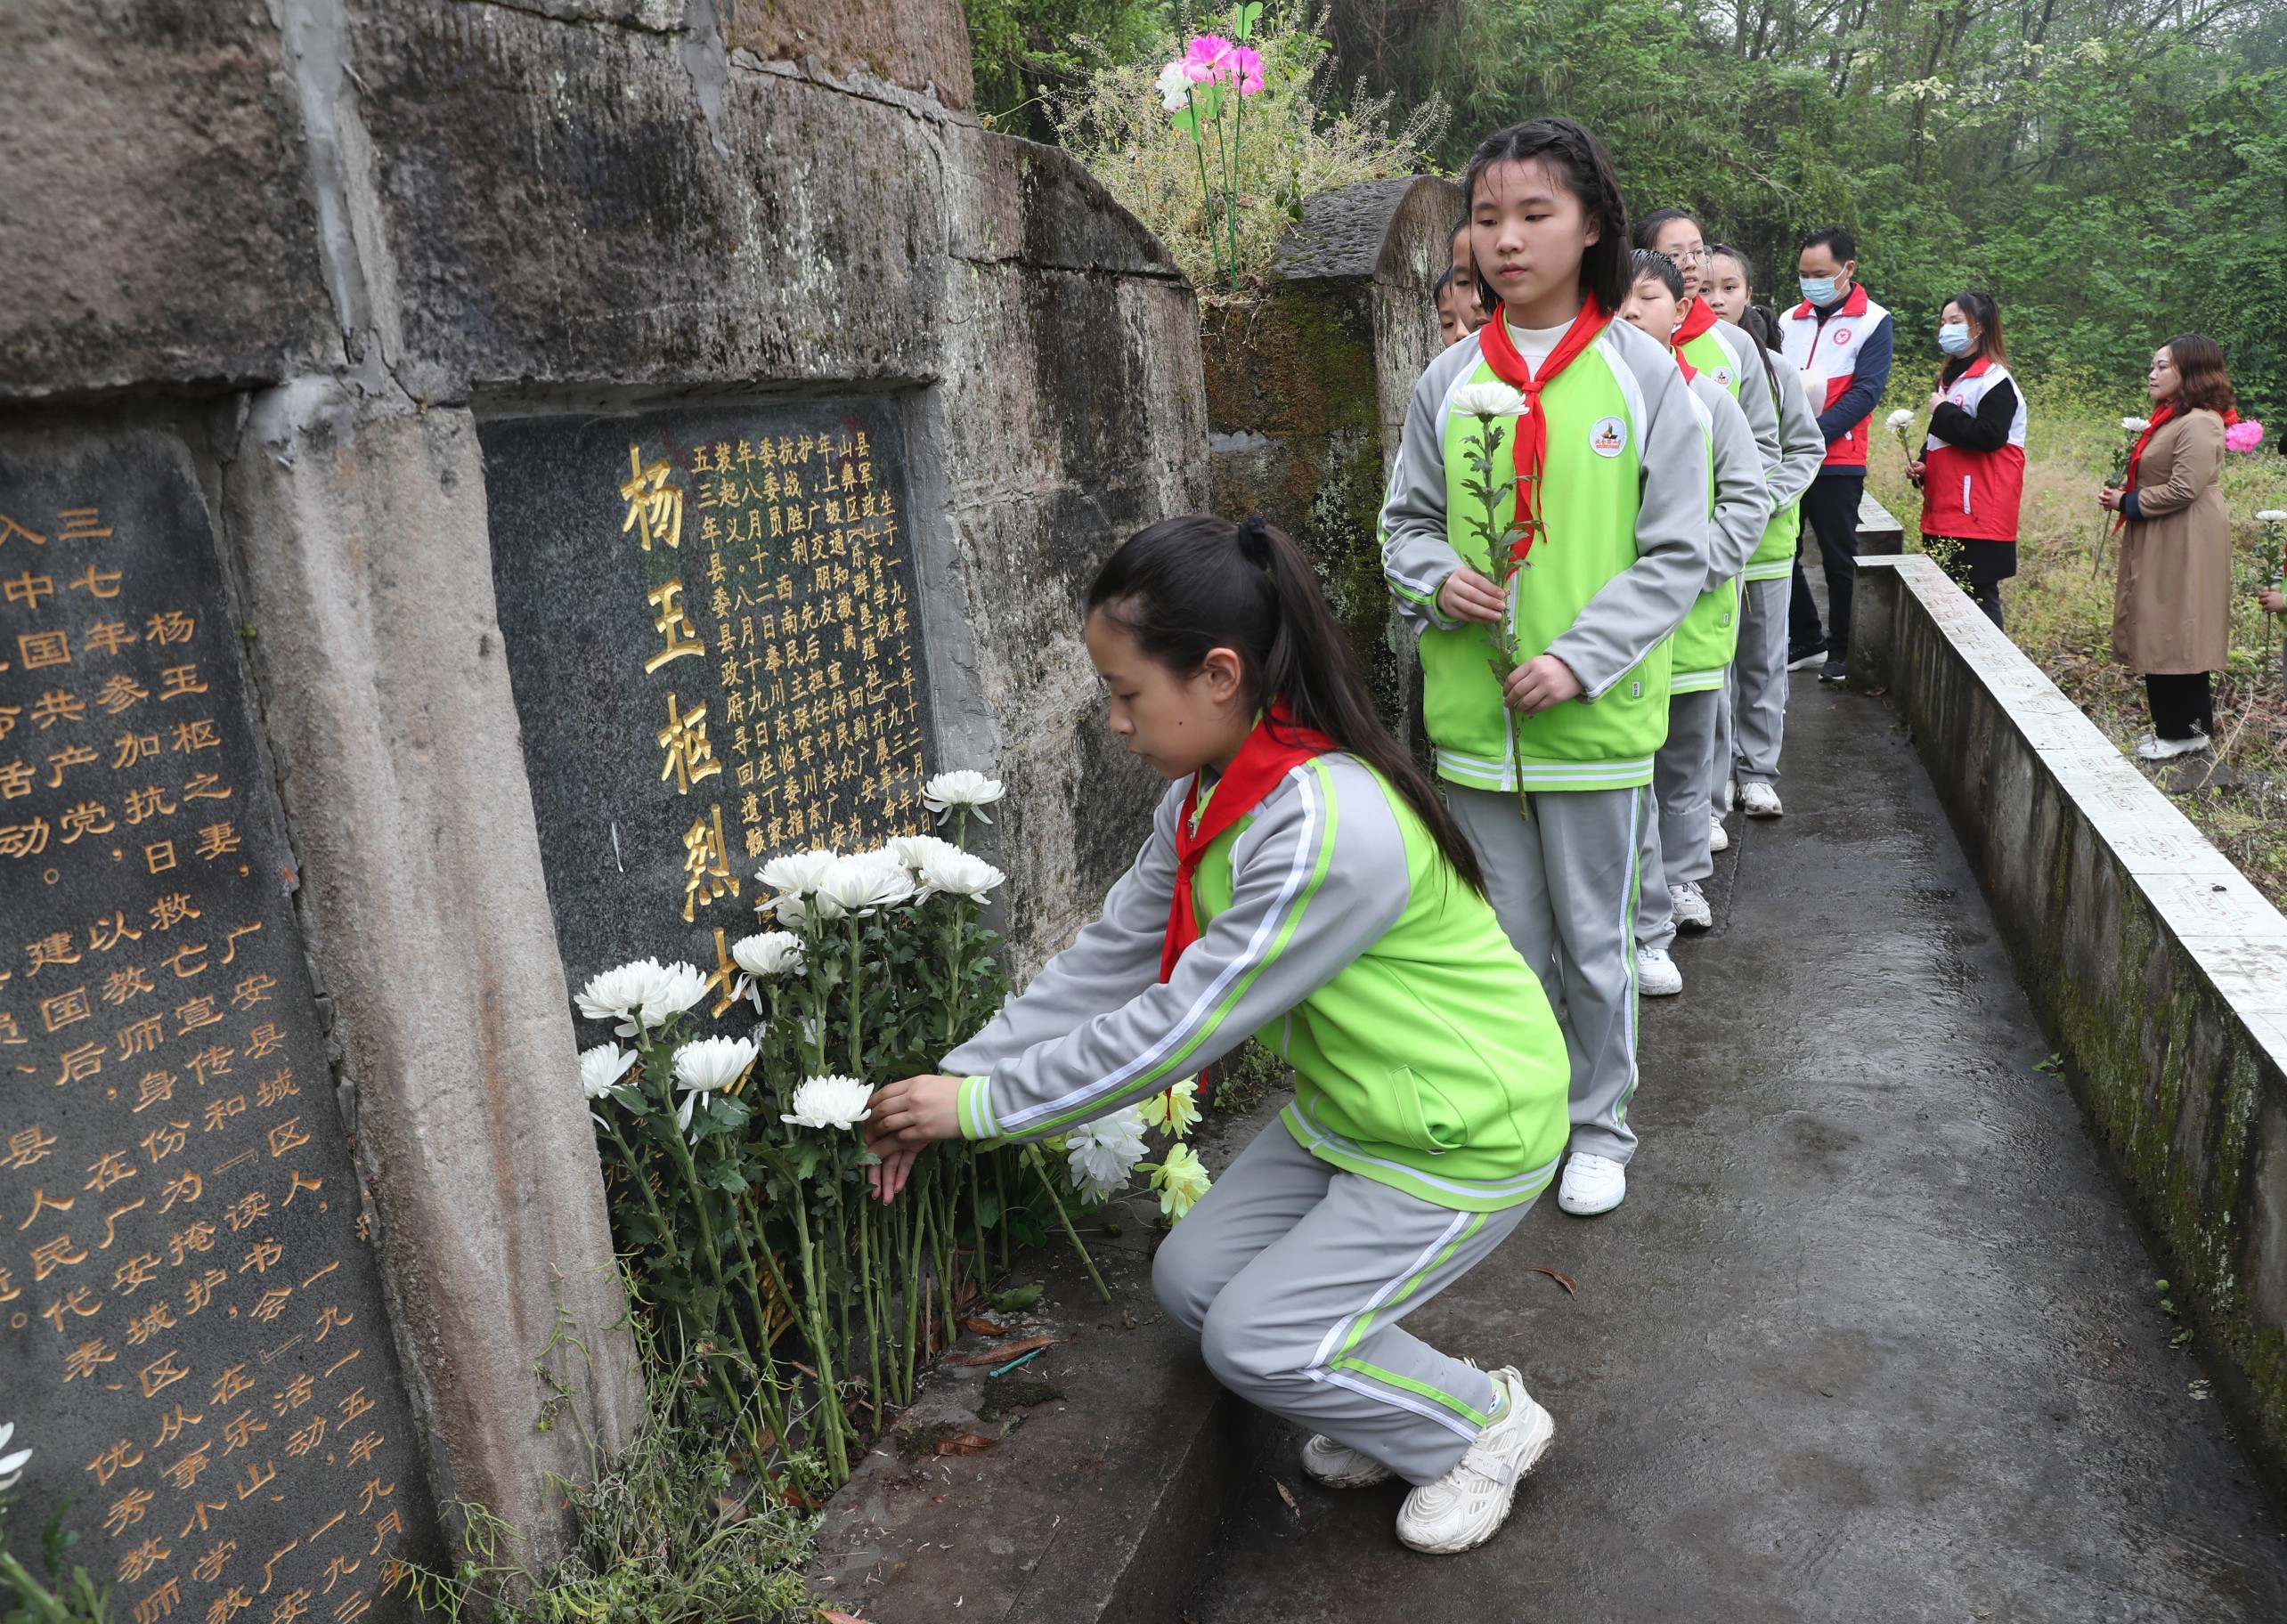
point(2060, 607)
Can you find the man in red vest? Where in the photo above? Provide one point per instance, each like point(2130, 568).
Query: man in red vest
point(1841, 341)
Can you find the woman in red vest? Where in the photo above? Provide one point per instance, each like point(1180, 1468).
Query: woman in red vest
point(1972, 470)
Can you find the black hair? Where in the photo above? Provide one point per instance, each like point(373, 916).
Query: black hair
point(1651, 262)
point(1583, 166)
point(1980, 307)
point(1443, 283)
point(1836, 238)
point(1739, 256)
point(1460, 225)
point(1759, 325)
point(1647, 229)
point(1187, 585)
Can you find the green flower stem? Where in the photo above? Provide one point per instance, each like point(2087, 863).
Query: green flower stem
point(833, 1422)
point(1040, 1165)
point(40, 1605)
point(873, 1317)
point(1000, 1189)
point(668, 1128)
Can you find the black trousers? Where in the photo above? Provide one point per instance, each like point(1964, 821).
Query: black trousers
point(2181, 705)
point(1830, 507)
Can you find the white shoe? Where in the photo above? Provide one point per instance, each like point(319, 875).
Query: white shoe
point(1467, 1506)
point(1593, 1184)
point(1717, 840)
point(1657, 976)
point(1690, 905)
point(1338, 1465)
point(1731, 793)
point(2153, 749)
point(1760, 800)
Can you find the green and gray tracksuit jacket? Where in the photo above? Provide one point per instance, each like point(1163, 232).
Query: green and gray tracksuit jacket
point(1624, 556)
point(1702, 648)
point(1802, 453)
point(1425, 1053)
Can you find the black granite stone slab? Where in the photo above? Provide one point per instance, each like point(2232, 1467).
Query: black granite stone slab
point(192, 1335)
point(716, 650)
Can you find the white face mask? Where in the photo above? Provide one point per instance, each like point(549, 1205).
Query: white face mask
point(1953, 338)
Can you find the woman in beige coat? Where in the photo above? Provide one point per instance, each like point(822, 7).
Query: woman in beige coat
point(2171, 602)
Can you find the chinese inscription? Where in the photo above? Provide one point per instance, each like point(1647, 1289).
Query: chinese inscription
point(191, 1331)
point(717, 656)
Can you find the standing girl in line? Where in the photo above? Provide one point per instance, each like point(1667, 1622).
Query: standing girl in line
point(1756, 721)
point(2172, 598)
point(1548, 770)
point(1301, 882)
point(1972, 470)
point(1677, 839)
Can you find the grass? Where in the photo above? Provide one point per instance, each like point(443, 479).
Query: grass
point(2059, 608)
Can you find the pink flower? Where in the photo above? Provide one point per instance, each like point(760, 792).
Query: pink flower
point(1246, 65)
point(2243, 436)
point(1205, 56)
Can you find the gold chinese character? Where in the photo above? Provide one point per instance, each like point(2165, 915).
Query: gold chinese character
point(654, 509)
point(673, 624)
point(689, 756)
point(706, 863)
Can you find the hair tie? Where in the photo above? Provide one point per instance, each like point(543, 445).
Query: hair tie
point(1254, 539)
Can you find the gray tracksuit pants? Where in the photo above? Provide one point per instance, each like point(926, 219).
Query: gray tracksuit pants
point(1564, 882)
point(1759, 679)
point(1676, 850)
point(1293, 1275)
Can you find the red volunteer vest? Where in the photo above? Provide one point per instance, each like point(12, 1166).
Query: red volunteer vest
point(1975, 494)
point(1827, 358)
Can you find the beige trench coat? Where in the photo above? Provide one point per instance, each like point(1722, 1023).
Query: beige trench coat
point(2172, 599)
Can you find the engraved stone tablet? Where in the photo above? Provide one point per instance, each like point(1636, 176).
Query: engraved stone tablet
point(191, 1327)
point(716, 654)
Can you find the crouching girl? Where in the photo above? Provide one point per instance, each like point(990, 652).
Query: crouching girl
point(1301, 882)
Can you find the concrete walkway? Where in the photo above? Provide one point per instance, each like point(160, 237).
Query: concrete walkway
point(1873, 1338)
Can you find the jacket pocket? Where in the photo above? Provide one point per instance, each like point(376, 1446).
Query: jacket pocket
point(1426, 1119)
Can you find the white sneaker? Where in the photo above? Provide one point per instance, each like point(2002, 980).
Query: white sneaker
point(1690, 904)
point(1657, 976)
point(1760, 800)
point(1593, 1184)
point(1467, 1506)
point(1717, 840)
point(1731, 793)
point(2167, 750)
point(1338, 1465)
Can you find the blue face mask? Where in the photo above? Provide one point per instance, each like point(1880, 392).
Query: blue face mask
point(1820, 290)
point(1953, 338)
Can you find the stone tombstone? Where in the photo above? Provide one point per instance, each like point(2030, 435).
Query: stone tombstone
point(193, 1330)
point(716, 649)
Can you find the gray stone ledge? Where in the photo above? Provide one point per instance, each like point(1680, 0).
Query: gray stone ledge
point(2160, 971)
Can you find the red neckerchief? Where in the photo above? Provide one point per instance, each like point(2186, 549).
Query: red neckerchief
point(1502, 356)
point(1698, 317)
point(1262, 763)
point(2161, 414)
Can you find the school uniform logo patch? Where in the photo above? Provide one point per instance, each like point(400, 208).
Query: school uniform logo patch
point(1724, 377)
point(1608, 437)
point(1842, 334)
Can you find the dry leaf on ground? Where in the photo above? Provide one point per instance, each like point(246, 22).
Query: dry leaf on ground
point(1572, 1287)
point(966, 1444)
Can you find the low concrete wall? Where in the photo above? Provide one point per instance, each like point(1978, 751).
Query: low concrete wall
point(2160, 971)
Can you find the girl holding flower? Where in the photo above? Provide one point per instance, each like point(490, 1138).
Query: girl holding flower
point(1302, 881)
point(2172, 596)
point(1972, 466)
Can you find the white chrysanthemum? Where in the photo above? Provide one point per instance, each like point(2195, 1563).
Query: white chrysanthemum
point(770, 953)
point(1488, 399)
point(1174, 1111)
point(964, 790)
point(679, 986)
point(1175, 87)
point(860, 884)
point(618, 993)
point(798, 872)
point(2134, 425)
point(706, 1064)
point(2271, 516)
point(602, 1067)
point(959, 873)
point(1899, 420)
point(830, 1102)
point(1181, 1180)
point(1103, 1153)
point(11, 1466)
point(914, 851)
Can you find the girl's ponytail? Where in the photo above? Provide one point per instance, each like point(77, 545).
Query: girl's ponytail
point(1185, 586)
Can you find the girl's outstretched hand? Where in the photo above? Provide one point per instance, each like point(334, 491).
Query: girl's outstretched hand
point(888, 1175)
point(906, 1116)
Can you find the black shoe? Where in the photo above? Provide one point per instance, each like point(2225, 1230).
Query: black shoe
point(1803, 656)
point(1836, 669)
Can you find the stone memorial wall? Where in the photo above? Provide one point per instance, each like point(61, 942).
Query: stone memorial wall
point(187, 1282)
point(595, 444)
